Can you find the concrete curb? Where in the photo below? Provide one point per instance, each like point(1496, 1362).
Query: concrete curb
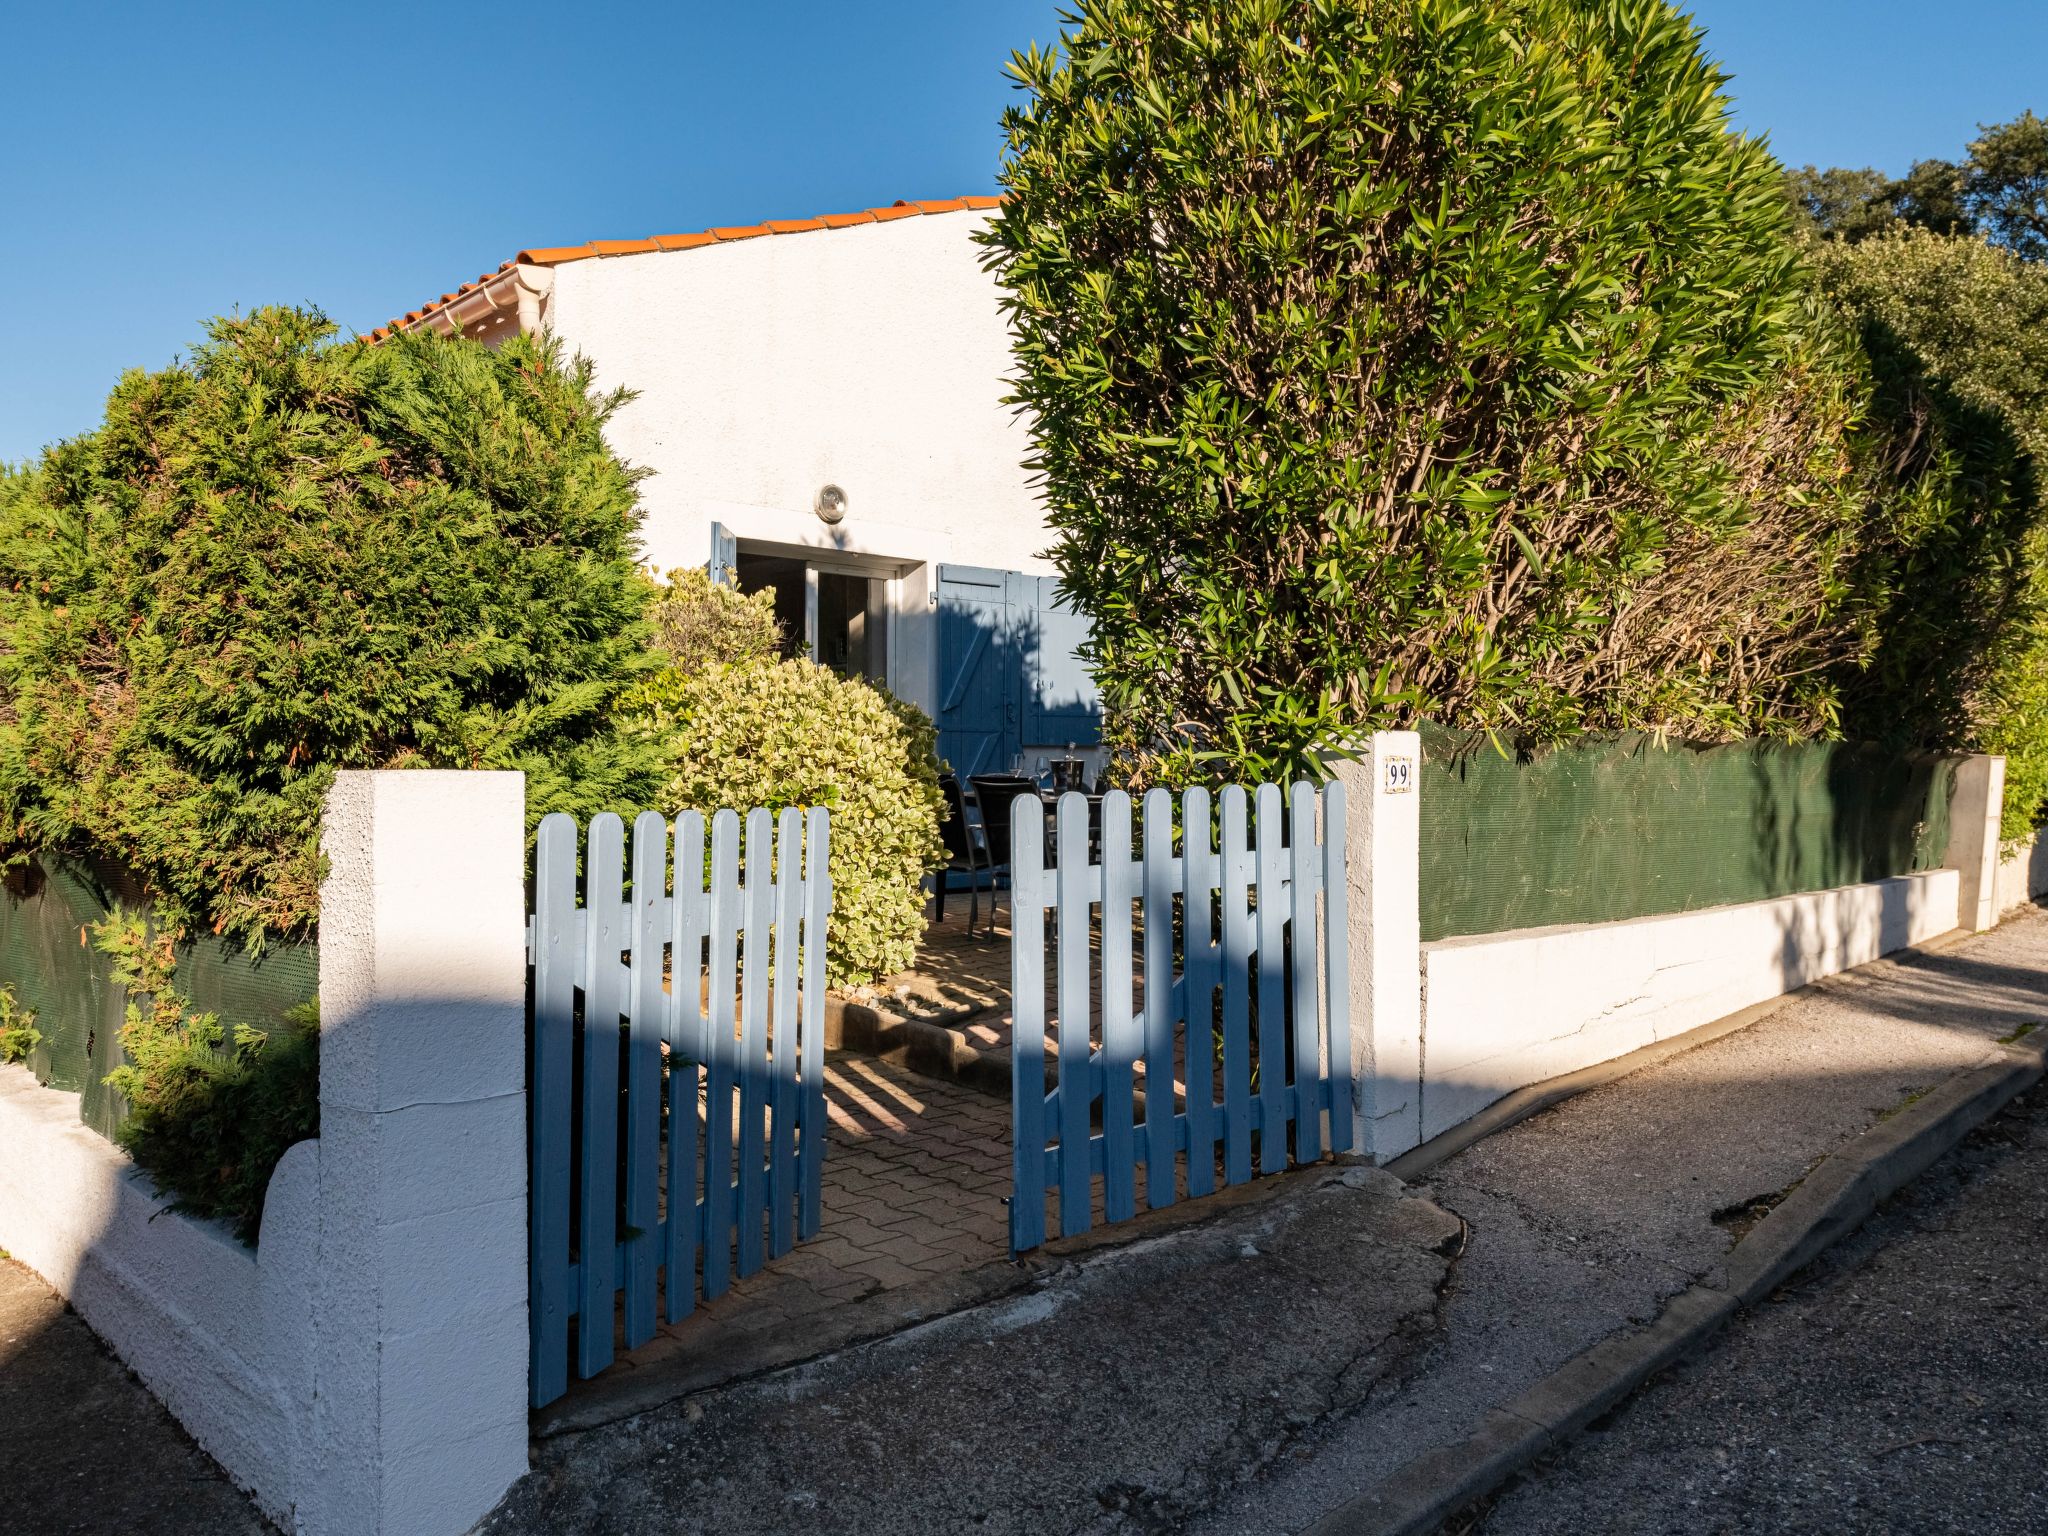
point(1827, 1205)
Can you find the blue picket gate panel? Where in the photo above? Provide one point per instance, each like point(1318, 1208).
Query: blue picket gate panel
point(668, 1156)
point(1238, 1031)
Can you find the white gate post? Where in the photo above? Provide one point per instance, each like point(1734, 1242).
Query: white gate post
point(420, 1342)
point(1382, 799)
point(1973, 837)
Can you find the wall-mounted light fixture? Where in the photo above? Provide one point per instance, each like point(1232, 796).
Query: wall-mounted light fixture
point(831, 504)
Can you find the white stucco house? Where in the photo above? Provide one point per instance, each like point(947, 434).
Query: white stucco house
point(820, 402)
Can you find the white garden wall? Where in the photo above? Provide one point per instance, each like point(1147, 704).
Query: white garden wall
point(1507, 1010)
point(2023, 873)
point(363, 1372)
point(219, 1333)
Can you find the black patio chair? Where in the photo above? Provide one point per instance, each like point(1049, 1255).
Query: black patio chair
point(965, 853)
point(994, 793)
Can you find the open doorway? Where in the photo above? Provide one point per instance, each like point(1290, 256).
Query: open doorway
point(836, 614)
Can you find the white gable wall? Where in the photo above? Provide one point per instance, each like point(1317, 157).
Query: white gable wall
point(871, 358)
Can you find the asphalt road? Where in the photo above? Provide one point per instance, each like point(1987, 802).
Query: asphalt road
point(88, 1451)
point(1900, 1384)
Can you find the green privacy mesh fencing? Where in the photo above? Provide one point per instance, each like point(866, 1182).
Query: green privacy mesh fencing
point(47, 957)
point(1622, 827)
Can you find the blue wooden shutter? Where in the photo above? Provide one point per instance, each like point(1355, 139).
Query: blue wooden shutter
point(979, 671)
point(725, 554)
point(1061, 701)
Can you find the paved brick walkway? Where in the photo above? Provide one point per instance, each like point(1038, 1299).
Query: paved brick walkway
point(916, 1172)
point(915, 1176)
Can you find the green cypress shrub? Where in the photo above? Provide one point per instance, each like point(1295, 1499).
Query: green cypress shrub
point(211, 1107)
point(292, 554)
point(1399, 359)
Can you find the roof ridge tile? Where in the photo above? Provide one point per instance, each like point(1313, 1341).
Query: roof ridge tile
point(724, 234)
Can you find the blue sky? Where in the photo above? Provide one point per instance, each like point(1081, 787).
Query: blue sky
point(159, 164)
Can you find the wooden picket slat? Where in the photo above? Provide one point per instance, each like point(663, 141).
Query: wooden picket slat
point(598, 1233)
point(649, 939)
point(817, 907)
point(557, 960)
point(1271, 919)
point(784, 1061)
point(1203, 973)
point(720, 1057)
point(1261, 907)
point(1121, 1037)
point(1027, 1022)
point(1302, 989)
point(1073, 933)
point(1162, 877)
point(690, 922)
point(1236, 857)
point(755, 974)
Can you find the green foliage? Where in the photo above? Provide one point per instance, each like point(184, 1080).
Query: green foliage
point(1846, 204)
point(754, 731)
point(1413, 358)
point(1956, 568)
point(2005, 187)
point(292, 555)
point(19, 1036)
point(700, 623)
point(209, 1111)
point(1999, 191)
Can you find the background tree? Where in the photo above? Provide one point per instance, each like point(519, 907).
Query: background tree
point(1953, 572)
point(1846, 204)
point(1412, 358)
point(2005, 187)
point(2000, 192)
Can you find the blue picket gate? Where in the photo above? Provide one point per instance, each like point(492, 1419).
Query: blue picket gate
point(1237, 1008)
point(677, 1101)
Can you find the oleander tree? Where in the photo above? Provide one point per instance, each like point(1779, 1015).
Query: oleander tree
point(1391, 359)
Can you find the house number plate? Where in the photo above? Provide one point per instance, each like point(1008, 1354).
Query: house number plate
point(1400, 777)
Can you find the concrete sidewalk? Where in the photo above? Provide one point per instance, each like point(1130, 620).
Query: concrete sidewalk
point(1123, 1389)
point(1584, 1221)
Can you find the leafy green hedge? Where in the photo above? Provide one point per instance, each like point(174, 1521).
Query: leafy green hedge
point(1954, 332)
point(742, 728)
point(19, 1036)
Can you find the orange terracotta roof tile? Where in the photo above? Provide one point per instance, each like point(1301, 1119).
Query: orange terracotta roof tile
point(549, 255)
point(558, 255)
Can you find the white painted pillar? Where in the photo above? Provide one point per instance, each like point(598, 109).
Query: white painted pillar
point(1974, 821)
point(420, 1341)
point(1382, 807)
